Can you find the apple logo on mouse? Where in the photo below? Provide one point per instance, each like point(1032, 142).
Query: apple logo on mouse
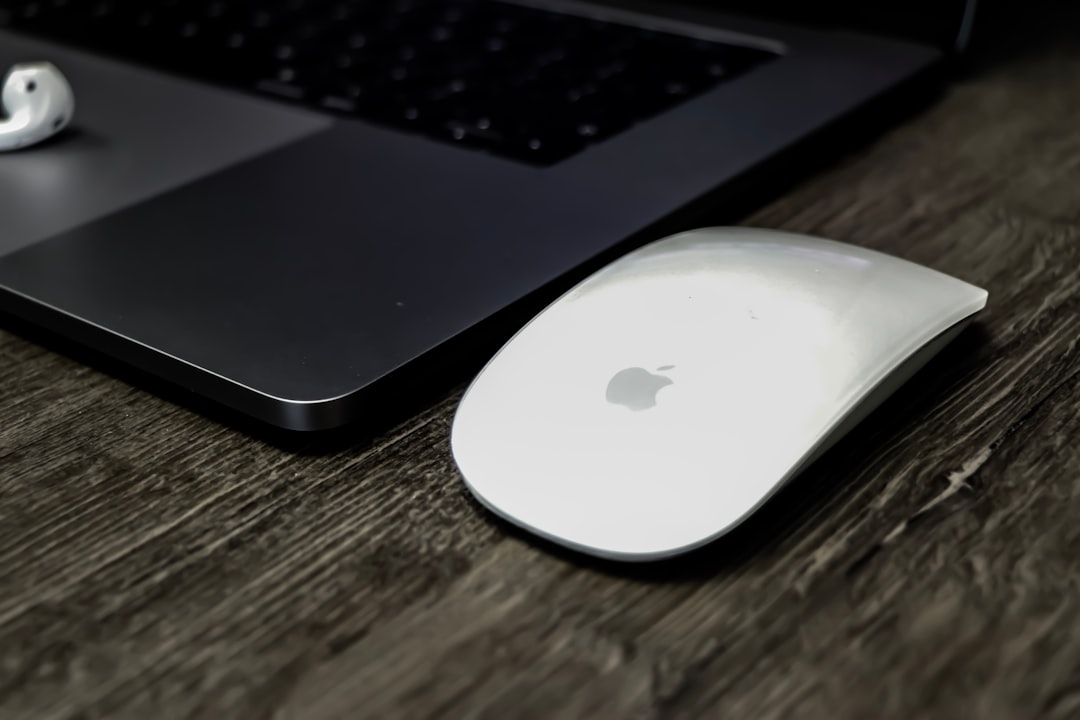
point(636, 387)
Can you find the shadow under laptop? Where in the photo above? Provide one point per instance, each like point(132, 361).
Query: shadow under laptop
point(421, 391)
point(819, 490)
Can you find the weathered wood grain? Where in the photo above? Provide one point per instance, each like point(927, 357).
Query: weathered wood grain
point(154, 563)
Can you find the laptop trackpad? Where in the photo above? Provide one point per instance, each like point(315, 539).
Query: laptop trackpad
point(135, 134)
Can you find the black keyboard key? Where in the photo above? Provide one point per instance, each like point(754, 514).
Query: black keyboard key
point(281, 88)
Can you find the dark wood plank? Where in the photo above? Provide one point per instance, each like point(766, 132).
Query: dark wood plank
point(154, 563)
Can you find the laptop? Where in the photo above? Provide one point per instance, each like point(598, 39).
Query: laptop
point(303, 209)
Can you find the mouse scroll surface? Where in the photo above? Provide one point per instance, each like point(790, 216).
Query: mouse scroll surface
point(655, 405)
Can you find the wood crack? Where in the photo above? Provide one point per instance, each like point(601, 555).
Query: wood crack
point(958, 480)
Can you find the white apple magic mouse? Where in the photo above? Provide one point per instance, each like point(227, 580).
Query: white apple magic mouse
point(655, 405)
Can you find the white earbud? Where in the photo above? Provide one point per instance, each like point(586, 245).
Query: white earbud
point(37, 103)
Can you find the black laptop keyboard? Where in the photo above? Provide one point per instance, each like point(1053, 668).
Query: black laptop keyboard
point(533, 85)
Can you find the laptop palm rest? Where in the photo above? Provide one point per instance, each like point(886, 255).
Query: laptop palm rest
point(286, 285)
point(135, 134)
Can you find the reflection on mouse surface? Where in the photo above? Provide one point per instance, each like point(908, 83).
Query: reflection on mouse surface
point(658, 403)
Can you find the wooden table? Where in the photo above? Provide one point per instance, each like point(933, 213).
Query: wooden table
point(155, 563)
